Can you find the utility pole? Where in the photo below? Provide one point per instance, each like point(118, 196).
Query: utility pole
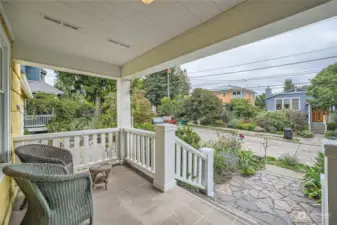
point(168, 82)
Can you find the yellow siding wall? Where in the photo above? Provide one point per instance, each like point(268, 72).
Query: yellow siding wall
point(7, 185)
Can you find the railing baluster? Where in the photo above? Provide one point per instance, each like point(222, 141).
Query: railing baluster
point(195, 165)
point(45, 141)
point(128, 143)
point(184, 164)
point(86, 151)
point(56, 142)
point(142, 149)
point(153, 152)
point(117, 148)
point(103, 147)
point(189, 175)
point(94, 147)
point(178, 159)
point(147, 149)
point(199, 170)
point(76, 151)
point(138, 149)
point(110, 148)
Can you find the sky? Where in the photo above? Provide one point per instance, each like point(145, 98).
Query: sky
point(322, 35)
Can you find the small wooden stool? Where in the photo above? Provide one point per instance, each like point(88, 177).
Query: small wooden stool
point(100, 174)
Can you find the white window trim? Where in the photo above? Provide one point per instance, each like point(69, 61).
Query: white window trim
point(5, 45)
point(291, 103)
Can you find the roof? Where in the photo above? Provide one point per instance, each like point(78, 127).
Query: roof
point(40, 86)
point(291, 91)
point(234, 88)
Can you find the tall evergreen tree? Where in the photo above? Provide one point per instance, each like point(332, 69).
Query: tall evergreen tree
point(288, 85)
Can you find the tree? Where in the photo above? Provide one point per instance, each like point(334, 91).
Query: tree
point(242, 108)
point(203, 105)
point(155, 85)
point(141, 108)
point(172, 107)
point(93, 88)
point(323, 88)
point(288, 85)
point(260, 101)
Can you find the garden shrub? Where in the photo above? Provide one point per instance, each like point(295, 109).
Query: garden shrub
point(289, 159)
point(305, 134)
point(145, 126)
point(331, 126)
point(259, 129)
point(330, 135)
point(242, 108)
point(219, 123)
point(248, 171)
point(188, 135)
point(297, 119)
point(270, 158)
point(234, 123)
point(312, 178)
point(246, 126)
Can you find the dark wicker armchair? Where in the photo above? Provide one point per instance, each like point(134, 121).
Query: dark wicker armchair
point(54, 197)
point(38, 153)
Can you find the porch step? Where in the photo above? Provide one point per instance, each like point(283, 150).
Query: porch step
point(318, 127)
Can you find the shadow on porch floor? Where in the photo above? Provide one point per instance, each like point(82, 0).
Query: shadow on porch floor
point(132, 200)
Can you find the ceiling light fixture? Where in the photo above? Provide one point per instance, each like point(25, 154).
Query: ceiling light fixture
point(147, 1)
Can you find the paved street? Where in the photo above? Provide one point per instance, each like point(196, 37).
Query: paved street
point(307, 149)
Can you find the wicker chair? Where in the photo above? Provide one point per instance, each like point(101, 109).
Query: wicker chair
point(38, 153)
point(54, 197)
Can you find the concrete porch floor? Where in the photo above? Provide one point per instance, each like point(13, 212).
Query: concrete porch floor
point(132, 200)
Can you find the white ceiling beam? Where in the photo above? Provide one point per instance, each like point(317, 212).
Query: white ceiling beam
point(45, 58)
point(246, 23)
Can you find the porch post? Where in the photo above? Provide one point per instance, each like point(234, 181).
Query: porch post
point(123, 113)
point(329, 195)
point(164, 178)
point(207, 169)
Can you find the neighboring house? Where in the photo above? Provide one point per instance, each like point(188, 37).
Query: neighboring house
point(37, 82)
point(227, 93)
point(296, 99)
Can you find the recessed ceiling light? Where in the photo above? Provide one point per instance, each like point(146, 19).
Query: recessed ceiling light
point(147, 1)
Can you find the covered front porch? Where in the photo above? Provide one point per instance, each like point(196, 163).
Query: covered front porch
point(131, 200)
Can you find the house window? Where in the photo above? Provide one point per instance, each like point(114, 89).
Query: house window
point(287, 103)
point(278, 104)
point(295, 104)
point(236, 94)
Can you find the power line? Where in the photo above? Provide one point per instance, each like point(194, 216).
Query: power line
point(260, 86)
point(265, 60)
point(263, 77)
point(266, 67)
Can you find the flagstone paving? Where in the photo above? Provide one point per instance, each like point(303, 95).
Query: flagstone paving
point(271, 199)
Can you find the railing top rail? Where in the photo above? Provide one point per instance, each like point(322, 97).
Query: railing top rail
point(190, 148)
point(140, 132)
point(35, 116)
point(64, 134)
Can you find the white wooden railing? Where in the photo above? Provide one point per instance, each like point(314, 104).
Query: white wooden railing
point(37, 120)
point(188, 164)
point(87, 147)
point(140, 150)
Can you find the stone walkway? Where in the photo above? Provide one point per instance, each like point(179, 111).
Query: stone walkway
point(269, 198)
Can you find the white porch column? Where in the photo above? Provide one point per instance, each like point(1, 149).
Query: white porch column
point(329, 195)
point(123, 112)
point(164, 178)
point(207, 170)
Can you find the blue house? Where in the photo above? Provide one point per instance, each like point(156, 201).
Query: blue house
point(296, 99)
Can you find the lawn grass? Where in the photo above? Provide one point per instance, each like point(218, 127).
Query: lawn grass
point(297, 167)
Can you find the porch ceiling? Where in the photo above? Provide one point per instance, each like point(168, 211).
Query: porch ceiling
point(157, 33)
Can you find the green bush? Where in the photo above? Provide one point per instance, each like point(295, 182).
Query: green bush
point(330, 135)
point(259, 129)
point(312, 180)
point(331, 126)
point(297, 119)
point(145, 126)
point(289, 159)
point(273, 121)
point(234, 123)
point(305, 134)
point(246, 126)
point(219, 123)
point(242, 108)
point(270, 158)
point(249, 171)
point(188, 135)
